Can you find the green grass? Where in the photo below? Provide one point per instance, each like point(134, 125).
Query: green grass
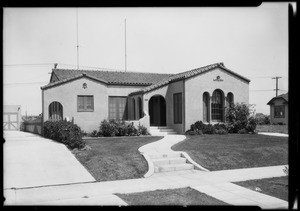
point(276, 186)
point(115, 158)
point(273, 128)
point(233, 151)
point(179, 197)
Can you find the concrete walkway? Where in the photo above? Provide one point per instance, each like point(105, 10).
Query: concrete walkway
point(214, 183)
point(274, 134)
point(30, 160)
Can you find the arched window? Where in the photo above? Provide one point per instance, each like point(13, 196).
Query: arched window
point(140, 107)
point(217, 110)
point(230, 99)
point(55, 111)
point(205, 107)
point(133, 108)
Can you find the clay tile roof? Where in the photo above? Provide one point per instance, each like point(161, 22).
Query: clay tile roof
point(185, 75)
point(114, 77)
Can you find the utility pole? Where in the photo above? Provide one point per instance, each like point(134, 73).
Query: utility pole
point(125, 48)
point(276, 85)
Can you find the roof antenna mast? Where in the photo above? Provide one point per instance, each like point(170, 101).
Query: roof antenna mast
point(77, 46)
point(125, 48)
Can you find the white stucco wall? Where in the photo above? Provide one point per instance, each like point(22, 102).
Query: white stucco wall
point(196, 86)
point(67, 93)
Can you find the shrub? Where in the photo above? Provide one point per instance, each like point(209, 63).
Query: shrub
point(118, 128)
point(64, 132)
point(143, 130)
point(208, 129)
point(221, 131)
point(220, 126)
point(238, 117)
point(251, 124)
point(242, 131)
point(108, 128)
point(194, 132)
point(262, 119)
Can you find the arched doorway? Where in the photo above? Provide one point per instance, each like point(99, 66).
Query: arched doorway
point(217, 106)
point(55, 111)
point(157, 111)
point(206, 107)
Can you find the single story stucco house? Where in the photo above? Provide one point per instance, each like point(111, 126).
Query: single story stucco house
point(279, 108)
point(149, 99)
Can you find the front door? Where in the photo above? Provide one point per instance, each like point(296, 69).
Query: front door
point(157, 111)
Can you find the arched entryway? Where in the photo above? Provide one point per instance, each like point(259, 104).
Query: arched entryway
point(157, 110)
point(55, 111)
point(217, 106)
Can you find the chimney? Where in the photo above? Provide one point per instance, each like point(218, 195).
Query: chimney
point(55, 65)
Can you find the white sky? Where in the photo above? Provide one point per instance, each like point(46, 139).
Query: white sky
point(250, 41)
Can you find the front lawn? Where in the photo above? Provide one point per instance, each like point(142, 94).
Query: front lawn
point(276, 186)
point(115, 158)
point(233, 151)
point(179, 197)
point(273, 128)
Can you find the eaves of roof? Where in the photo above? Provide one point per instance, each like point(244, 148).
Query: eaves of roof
point(186, 75)
point(57, 83)
point(283, 96)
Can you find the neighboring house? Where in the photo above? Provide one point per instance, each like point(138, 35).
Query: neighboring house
point(11, 117)
point(279, 109)
point(149, 99)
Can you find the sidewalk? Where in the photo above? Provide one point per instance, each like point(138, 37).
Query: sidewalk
point(274, 134)
point(88, 192)
point(215, 183)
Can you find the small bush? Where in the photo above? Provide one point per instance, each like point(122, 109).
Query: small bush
point(251, 124)
point(143, 130)
point(118, 128)
point(193, 132)
point(108, 128)
point(221, 131)
point(209, 129)
point(64, 132)
point(242, 131)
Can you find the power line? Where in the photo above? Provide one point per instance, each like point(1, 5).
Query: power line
point(37, 64)
point(27, 83)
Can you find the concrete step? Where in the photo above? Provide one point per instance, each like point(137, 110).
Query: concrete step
point(162, 133)
point(162, 130)
point(167, 161)
point(173, 167)
point(165, 156)
point(158, 127)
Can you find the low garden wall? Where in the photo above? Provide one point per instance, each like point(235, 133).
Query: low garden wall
point(34, 126)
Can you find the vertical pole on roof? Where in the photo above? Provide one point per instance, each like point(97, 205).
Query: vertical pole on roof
point(77, 46)
point(125, 48)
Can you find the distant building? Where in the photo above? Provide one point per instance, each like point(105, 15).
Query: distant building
point(279, 109)
point(11, 117)
point(151, 99)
